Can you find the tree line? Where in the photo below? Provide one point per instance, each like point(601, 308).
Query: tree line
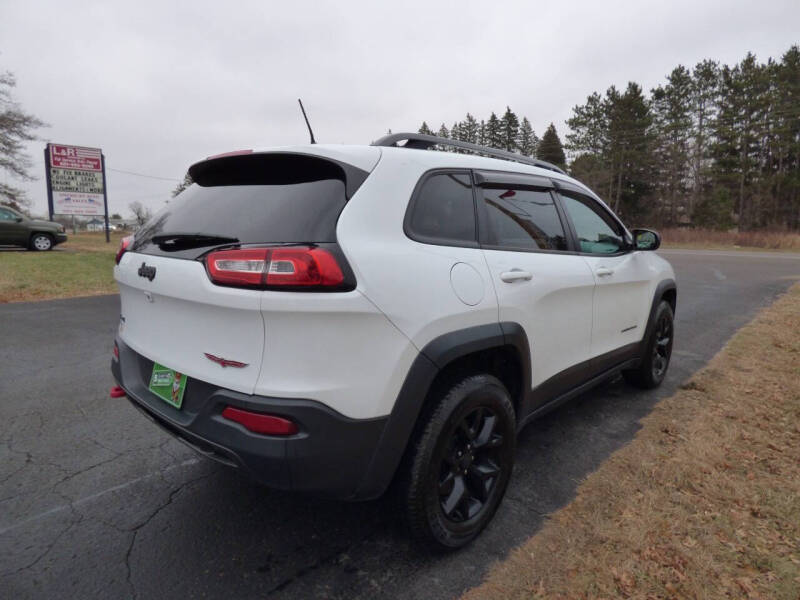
point(504, 133)
point(714, 146)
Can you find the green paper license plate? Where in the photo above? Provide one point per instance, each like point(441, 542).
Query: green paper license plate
point(168, 384)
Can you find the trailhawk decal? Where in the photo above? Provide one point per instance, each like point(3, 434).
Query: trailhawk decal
point(225, 362)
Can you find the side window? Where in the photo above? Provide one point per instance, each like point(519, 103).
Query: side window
point(597, 232)
point(444, 211)
point(523, 219)
point(6, 215)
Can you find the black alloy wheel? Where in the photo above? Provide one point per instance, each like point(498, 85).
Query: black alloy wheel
point(470, 465)
point(656, 351)
point(459, 462)
point(662, 349)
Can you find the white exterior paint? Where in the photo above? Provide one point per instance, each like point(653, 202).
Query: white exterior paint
point(352, 350)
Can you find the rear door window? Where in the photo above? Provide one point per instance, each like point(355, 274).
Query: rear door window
point(443, 211)
point(522, 219)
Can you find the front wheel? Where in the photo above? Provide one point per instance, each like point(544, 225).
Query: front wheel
point(41, 241)
point(460, 463)
point(657, 352)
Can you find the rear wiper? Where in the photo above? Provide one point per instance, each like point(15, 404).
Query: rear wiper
point(181, 241)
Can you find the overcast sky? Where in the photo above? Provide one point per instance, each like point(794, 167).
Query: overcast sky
point(159, 85)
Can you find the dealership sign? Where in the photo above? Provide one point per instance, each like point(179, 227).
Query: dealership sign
point(75, 180)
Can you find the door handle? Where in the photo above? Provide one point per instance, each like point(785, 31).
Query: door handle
point(604, 271)
point(515, 275)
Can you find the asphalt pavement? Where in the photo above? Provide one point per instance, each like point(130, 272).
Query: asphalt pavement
point(96, 502)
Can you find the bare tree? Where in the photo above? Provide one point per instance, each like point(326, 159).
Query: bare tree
point(16, 128)
point(140, 212)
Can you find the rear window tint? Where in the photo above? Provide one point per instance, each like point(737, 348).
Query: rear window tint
point(270, 204)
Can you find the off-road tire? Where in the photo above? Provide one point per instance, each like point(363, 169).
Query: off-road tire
point(477, 406)
point(657, 351)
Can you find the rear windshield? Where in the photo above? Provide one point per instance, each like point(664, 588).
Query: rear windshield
point(298, 209)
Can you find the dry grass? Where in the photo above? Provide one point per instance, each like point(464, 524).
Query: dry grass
point(703, 503)
point(92, 242)
point(724, 240)
point(82, 266)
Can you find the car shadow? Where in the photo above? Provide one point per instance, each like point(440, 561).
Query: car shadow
point(21, 249)
point(262, 542)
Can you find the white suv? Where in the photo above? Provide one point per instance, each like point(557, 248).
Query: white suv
point(336, 319)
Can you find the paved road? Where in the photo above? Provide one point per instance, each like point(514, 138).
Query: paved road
point(97, 502)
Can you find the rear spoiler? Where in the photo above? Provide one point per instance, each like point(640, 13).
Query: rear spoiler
point(274, 168)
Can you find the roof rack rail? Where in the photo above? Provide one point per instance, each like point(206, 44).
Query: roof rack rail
point(421, 141)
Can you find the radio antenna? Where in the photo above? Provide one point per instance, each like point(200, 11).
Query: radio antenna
point(313, 141)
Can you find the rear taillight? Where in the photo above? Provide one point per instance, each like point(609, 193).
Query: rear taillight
point(123, 247)
point(290, 266)
point(259, 422)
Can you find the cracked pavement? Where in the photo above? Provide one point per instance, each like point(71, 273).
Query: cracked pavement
point(95, 501)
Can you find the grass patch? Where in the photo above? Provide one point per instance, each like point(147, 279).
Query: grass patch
point(82, 266)
point(709, 239)
point(703, 503)
point(92, 242)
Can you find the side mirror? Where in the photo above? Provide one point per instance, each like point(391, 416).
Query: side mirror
point(18, 219)
point(646, 239)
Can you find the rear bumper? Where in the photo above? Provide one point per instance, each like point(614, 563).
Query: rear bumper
point(331, 454)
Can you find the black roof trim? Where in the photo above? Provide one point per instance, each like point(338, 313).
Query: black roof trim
point(421, 141)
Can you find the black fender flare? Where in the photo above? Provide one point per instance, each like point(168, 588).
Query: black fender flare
point(434, 357)
point(663, 286)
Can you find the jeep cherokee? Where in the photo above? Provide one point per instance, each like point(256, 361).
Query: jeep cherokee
point(336, 319)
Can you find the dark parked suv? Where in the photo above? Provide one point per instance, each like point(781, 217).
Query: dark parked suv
point(35, 234)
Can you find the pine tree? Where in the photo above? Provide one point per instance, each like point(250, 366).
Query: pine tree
point(470, 129)
point(509, 130)
point(589, 126)
point(715, 211)
point(550, 148)
point(738, 130)
point(443, 133)
point(526, 139)
point(588, 140)
point(783, 166)
point(16, 129)
point(672, 118)
point(425, 130)
point(455, 134)
point(629, 147)
point(482, 133)
point(705, 96)
point(494, 135)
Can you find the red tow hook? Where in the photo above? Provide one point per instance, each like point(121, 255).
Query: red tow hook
point(116, 392)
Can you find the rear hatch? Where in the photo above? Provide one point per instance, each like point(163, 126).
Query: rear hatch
point(271, 206)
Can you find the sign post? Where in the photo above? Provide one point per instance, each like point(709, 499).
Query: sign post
point(105, 197)
point(76, 181)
